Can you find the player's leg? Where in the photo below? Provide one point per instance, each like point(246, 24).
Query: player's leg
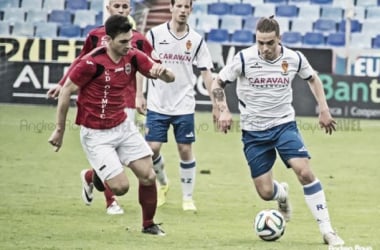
point(184, 133)
point(156, 129)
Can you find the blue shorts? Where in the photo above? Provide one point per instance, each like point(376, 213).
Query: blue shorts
point(157, 126)
point(260, 147)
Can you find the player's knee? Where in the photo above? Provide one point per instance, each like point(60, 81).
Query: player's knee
point(265, 193)
point(305, 176)
point(149, 178)
point(120, 189)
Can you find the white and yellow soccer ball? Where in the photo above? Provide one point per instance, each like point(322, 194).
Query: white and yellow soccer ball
point(269, 225)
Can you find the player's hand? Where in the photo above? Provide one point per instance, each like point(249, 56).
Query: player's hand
point(224, 121)
point(327, 122)
point(54, 92)
point(157, 70)
point(215, 113)
point(56, 139)
point(141, 105)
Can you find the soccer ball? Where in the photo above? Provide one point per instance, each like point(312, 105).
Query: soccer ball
point(269, 225)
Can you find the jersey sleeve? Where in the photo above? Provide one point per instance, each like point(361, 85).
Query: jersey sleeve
point(141, 43)
point(203, 57)
point(83, 72)
point(305, 71)
point(232, 70)
point(143, 63)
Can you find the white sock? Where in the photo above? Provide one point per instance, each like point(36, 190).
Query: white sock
point(279, 193)
point(187, 174)
point(316, 201)
point(158, 166)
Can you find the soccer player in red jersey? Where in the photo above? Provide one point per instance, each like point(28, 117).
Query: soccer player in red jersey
point(96, 38)
point(109, 140)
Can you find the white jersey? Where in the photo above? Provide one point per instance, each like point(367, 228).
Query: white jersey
point(179, 54)
point(264, 87)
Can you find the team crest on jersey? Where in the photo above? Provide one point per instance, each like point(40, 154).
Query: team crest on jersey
point(284, 66)
point(188, 47)
point(127, 68)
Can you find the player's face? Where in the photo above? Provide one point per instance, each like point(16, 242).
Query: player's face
point(121, 44)
point(119, 7)
point(181, 11)
point(267, 43)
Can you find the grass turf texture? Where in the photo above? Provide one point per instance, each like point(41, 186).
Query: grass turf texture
point(41, 206)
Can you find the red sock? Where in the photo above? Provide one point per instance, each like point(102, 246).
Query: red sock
point(148, 202)
point(108, 194)
point(88, 176)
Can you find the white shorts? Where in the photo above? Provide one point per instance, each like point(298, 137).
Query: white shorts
point(131, 114)
point(108, 150)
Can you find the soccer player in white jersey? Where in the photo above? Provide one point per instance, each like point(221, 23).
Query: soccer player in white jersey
point(264, 73)
point(178, 47)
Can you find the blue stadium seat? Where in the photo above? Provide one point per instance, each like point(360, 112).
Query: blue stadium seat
point(35, 16)
point(277, 2)
point(264, 10)
point(87, 29)
point(356, 26)
point(299, 2)
point(245, 37)
point(219, 8)
point(96, 5)
point(84, 17)
point(69, 31)
point(360, 41)
point(249, 23)
point(321, 2)
point(376, 42)
point(31, 5)
point(325, 25)
point(23, 29)
point(9, 4)
point(13, 15)
point(291, 38)
point(366, 3)
point(231, 23)
point(54, 5)
point(218, 35)
point(332, 12)
point(313, 39)
point(369, 27)
point(46, 30)
point(253, 2)
point(99, 18)
point(336, 39)
point(5, 28)
point(302, 25)
point(310, 12)
point(373, 12)
point(199, 8)
point(60, 16)
point(241, 9)
point(287, 11)
point(207, 22)
point(76, 5)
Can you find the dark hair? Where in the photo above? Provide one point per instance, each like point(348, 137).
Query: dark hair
point(117, 24)
point(267, 25)
point(172, 2)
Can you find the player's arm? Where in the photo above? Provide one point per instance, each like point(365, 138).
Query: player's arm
point(223, 116)
point(56, 137)
point(325, 119)
point(140, 101)
point(161, 72)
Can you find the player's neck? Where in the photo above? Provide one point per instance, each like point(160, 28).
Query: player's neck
point(179, 29)
point(114, 56)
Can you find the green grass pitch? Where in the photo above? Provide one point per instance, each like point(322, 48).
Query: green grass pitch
point(41, 206)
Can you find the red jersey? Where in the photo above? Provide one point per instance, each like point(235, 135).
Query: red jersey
point(103, 85)
point(96, 38)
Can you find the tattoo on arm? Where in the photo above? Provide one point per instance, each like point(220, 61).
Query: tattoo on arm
point(218, 94)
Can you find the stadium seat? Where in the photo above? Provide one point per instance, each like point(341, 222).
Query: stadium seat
point(299, 2)
point(325, 26)
point(373, 12)
point(96, 5)
point(13, 15)
point(287, 11)
point(84, 17)
point(336, 39)
point(35, 16)
point(87, 29)
point(343, 3)
point(249, 23)
point(31, 5)
point(313, 39)
point(241, 9)
point(231, 23)
point(243, 37)
point(219, 8)
point(253, 2)
point(230, 1)
point(23, 29)
point(199, 8)
point(322, 2)
point(193, 21)
point(5, 28)
point(264, 9)
point(291, 39)
point(74, 5)
point(356, 26)
point(54, 5)
point(276, 2)
point(284, 23)
point(311, 12)
point(376, 42)
point(46, 30)
point(60, 16)
point(370, 27)
point(69, 31)
point(359, 13)
point(208, 22)
point(9, 4)
point(366, 3)
point(301, 25)
point(218, 35)
point(99, 18)
point(360, 41)
point(333, 13)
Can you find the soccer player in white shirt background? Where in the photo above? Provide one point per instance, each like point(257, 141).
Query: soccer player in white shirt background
point(265, 72)
point(178, 47)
